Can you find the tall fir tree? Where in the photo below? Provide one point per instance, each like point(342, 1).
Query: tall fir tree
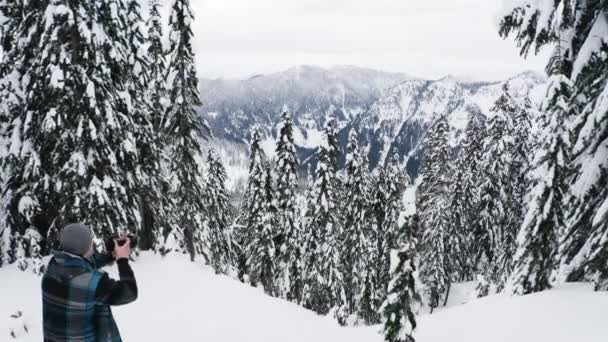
point(157, 66)
point(584, 251)
point(393, 183)
point(263, 250)
point(218, 206)
point(403, 297)
point(356, 241)
point(255, 210)
point(538, 238)
point(153, 205)
point(158, 216)
point(324, 285)
point(378, 214)
point(11, 17)
point(73, 153)
point(289, 272)
point(576, 28)
point(433, 207)
point(464, 187)
point(500, 205)
point(183, 130)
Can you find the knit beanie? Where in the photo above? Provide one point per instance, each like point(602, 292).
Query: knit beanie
point(76, 238)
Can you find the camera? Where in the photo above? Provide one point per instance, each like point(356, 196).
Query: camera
point(121, 240)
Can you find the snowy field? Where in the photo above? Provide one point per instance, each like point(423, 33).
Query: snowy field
point(182, 301)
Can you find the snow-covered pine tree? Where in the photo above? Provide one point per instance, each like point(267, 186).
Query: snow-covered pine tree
point(538, 238)
point(521, 133)
point(157, 69)
point(369, 303)
point(183, 130)
point(324, 289)
point(11, 16)
point(433, 207)
point(255, 208)
point(464, 187)
point(271, 205)
point(160, 222)
point(378, 214)
point(356, 241)
point(263, 250)
point(154, 205)
point(393, 183)
point(578, 29)
point(74, 155)
point(500, 206)
point(403, 297)
point(218, 207)
point(289, 267)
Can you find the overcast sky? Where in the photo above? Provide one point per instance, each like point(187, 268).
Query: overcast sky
point(425, 38)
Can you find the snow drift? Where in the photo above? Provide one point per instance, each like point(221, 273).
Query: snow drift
point(183, 301)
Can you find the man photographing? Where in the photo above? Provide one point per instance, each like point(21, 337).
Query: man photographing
point(76, 296)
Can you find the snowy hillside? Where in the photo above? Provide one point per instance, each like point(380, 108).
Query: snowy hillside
point(182, 301)
point(391, 111)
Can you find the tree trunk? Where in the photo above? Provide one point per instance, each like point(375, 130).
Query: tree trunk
point(447, 294)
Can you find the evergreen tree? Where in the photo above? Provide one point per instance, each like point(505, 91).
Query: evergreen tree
point(11, 17)
point(403, 298)
point(157, 66)
point(153, 205)
point(356, 240)
point(218, 207)
point(465, 200)
point(289, 271)
point(73, 153)
point(158, 220)
point(576, 28)
point(182, 130)
point(536, 254)
point(262, 257)
point(256, 207)
point(391, 200)
point(271, 206)
point(378, 214)
point(323, 289)
point(433, 206)
point(500, 206)
point(522, 148)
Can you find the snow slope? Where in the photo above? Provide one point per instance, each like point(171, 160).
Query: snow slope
point(571, 313)
point(182, 301)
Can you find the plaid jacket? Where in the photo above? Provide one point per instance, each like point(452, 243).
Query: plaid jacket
point(76, 299)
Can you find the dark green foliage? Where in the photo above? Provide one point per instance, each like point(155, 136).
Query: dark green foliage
point(403, 298)
point(221, 244)
point(289, 251)
point(433, 207)
point(182, 129)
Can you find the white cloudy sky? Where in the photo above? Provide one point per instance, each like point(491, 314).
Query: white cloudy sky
point(426, 38)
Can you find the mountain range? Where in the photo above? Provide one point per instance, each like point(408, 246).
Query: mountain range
point(391, 111)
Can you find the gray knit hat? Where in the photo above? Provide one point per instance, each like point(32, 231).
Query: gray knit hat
point(76, 238)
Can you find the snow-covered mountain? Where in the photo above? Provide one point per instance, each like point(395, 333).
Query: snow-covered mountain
point(391, 111)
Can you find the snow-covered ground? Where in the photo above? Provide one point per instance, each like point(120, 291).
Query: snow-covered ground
point(182, 301)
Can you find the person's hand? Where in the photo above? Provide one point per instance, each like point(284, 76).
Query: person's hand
point(124, 251)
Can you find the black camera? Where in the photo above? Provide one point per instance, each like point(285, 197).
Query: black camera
point(121, 240)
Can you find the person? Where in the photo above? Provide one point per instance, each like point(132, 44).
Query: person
point(76, 295)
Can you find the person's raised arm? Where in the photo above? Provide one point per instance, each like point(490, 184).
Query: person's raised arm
point(124, 290)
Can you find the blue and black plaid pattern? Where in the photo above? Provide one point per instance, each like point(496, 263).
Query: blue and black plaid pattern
point(70, 310)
